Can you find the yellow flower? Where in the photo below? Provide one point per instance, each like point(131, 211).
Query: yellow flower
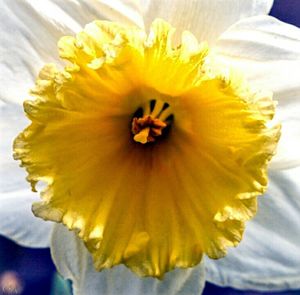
point(150, 150)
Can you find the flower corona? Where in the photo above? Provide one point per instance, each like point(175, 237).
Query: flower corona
point(150, 150)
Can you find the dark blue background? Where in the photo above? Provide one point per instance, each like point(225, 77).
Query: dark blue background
point(34, 268)
point(287, 11)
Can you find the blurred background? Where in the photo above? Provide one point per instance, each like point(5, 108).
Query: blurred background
point(25, 271)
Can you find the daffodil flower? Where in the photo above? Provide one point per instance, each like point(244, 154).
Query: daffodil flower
point(209, 132)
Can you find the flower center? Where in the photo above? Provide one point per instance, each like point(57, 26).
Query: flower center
point(151, 121)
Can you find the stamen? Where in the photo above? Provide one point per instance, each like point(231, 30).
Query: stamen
point(143, 136)
point(157, 108)
point(150, 126)
point(165, 114)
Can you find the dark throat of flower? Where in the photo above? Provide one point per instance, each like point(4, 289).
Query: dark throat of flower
point(151, 122)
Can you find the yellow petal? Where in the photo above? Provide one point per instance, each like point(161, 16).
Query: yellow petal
point(152, 205)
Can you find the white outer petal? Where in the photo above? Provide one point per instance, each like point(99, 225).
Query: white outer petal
point(16, 219)
point(267, 51)
point(30, 30)
point(268, 257)
point(18, 223)
point(206, 19)
point(75, 263)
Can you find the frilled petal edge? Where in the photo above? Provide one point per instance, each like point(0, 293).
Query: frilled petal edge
point(269, 256)
point(74, 262)
point(29, 31)
point(17, 222)
point(268, 52)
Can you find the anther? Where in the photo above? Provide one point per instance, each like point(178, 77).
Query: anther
point(150, 126)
